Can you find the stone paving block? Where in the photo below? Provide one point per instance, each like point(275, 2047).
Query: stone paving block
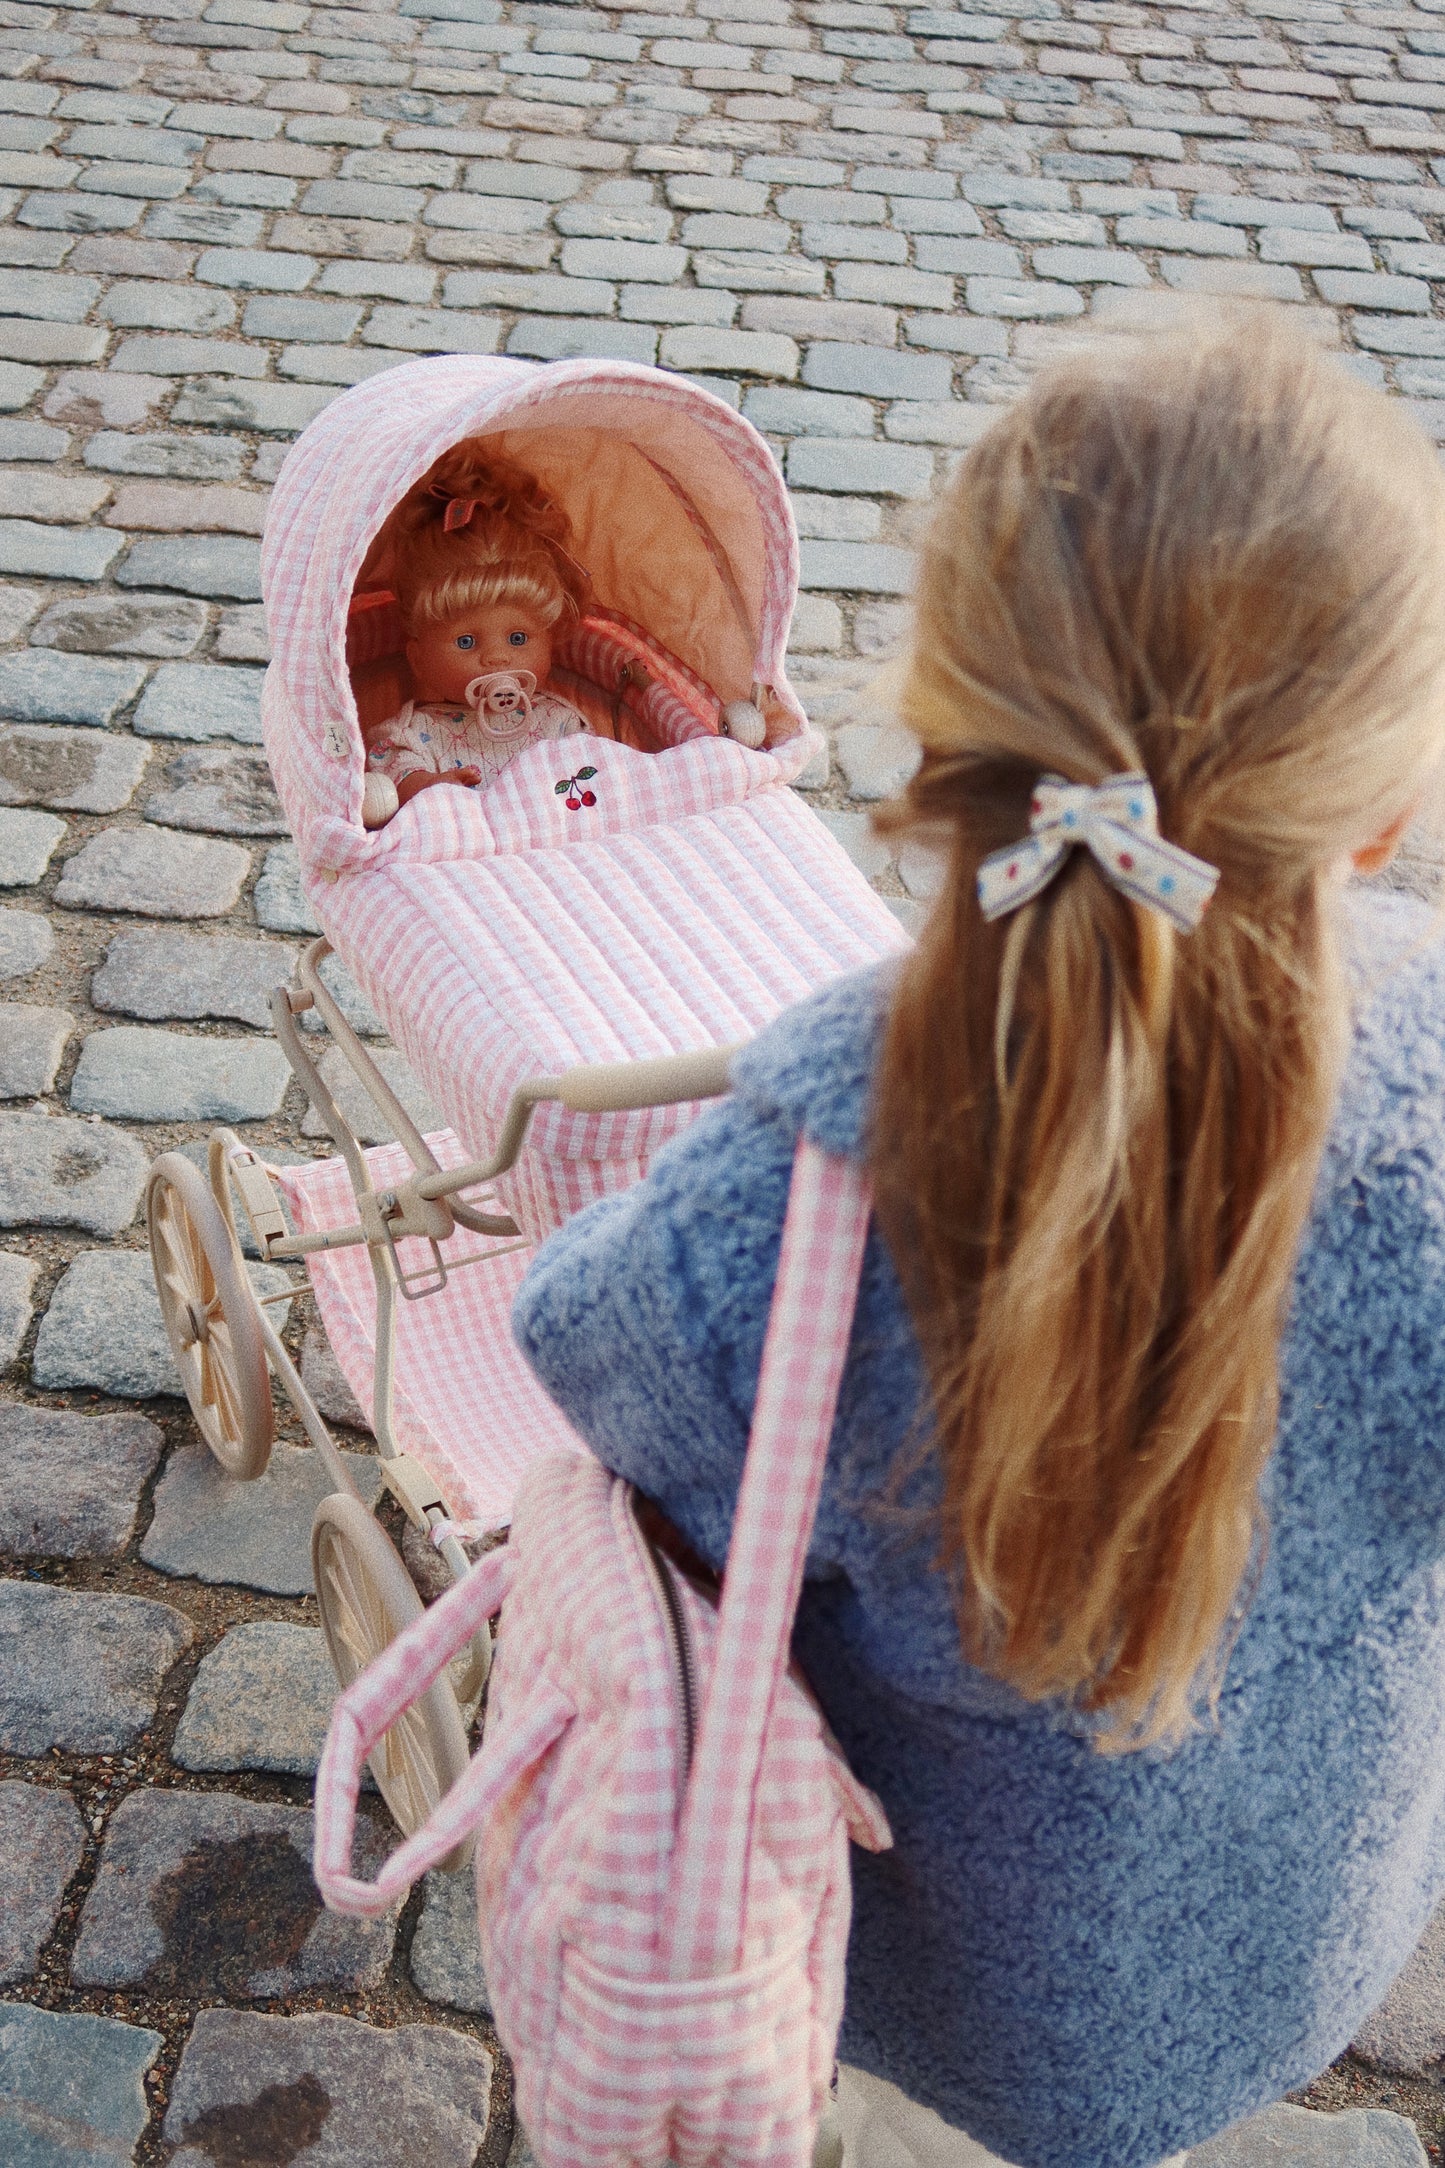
point(18, 385)
point(869, 852)
point(32, 1041)
point(55, 1172)
point(261, 1700)
point(1407, 2032)
point(324, 1379)
point(27, 841)
point(328, 2092)
point(18, 605)
point(78, 771)
point(113, 396)
point(446, 1952)
point(159, 873)
point(251, 1535)
point(103, 1328)
point(81, 1672)
point(350, 1096)
point(286, 408)
point(70, 1484)
point(221, 566)
point(41, 686)
point(281, 903)
point(132, 1073)
point(1289, 2137)
point(242, 635)
point(17, 1279)
point(72, 2087)
point(42, 1839)
point(26, 941)
point(57, 553)
point(111, 624)
point(169, 458)
point(67, 498)
point(876, 759)
point(203, 1894)
point(198, 700)
point(159, 974)
point(220, 791)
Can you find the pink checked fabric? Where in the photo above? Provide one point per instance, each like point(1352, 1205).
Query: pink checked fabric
point(464, 1401)
point(664, 1936)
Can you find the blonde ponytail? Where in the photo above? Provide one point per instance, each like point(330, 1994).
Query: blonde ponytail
point(1221, 561)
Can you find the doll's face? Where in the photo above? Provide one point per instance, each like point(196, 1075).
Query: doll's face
point(505, 636)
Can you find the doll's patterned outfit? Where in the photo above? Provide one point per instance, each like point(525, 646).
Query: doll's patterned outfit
point(436, 735)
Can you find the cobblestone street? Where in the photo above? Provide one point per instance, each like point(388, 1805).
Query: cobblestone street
point(865, 224)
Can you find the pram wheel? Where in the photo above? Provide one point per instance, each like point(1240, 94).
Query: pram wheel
point(210, 1317)
point(366, 1597)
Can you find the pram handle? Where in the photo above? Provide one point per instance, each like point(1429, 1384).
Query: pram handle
point(603, 1087)
point(612, 1087)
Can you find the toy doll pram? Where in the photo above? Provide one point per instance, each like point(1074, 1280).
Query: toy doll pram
point(565, 960)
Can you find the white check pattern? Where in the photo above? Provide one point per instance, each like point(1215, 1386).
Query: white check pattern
point(665, 1952)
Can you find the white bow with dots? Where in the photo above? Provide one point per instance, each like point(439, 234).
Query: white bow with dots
point(1118, 821)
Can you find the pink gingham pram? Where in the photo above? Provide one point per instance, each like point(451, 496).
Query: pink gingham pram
point(580, 957)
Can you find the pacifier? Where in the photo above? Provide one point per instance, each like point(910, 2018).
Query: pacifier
point(503, 701)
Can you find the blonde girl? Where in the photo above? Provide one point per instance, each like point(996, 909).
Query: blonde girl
point(1127, 1591)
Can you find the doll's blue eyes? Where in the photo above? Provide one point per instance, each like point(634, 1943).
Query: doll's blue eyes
point(466, 640)
point(516, 639)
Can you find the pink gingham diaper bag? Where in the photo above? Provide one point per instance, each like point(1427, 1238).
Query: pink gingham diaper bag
point(662, 1816)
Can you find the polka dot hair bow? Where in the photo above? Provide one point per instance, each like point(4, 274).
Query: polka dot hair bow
point(1118, 821)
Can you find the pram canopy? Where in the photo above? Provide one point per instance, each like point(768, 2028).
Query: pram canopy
point(680, 903)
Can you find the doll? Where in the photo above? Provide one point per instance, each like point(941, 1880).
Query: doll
point(484, 581)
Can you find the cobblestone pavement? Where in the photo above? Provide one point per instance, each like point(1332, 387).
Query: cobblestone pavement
point(866, 224)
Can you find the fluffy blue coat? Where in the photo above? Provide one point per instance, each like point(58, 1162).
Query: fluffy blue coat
point(1084, 1961)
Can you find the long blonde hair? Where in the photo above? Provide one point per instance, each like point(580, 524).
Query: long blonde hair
point(1219, 559)
point(513, 547)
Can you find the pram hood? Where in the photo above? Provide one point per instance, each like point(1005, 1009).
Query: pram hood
point(679, 513)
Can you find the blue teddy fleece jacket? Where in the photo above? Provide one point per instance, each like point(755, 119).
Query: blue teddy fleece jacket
point(1086, 1961)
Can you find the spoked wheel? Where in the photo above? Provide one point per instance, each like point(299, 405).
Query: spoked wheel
point(366, 1597)
point(211, 1317)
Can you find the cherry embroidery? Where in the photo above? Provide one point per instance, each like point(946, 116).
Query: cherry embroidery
point(570, 790)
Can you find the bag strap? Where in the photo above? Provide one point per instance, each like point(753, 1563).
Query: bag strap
point(367, 1709)
point(804, 1353)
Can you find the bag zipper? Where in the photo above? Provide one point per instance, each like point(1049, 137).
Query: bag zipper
point(680, 1635)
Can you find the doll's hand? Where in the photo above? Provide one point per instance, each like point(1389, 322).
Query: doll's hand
point(423, 779)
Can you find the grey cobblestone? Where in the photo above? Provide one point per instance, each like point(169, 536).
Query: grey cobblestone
point(55, 1172)
point(70, 1484)
point(80, 771)
point(446, 1958)
point(46, 686)
point(231, 793)
point(103, 1328)
point(224, 566)
point(17, 1283)
point(142, 1075)
point(256, 1534)
point(32, 1042)
point(161, 874)
point(159, 974)
point(281, 904)
point(421, 2092)
point(81, 2075)
point(42, 1839)
point(27, 841)
point(211, 1895)
point(261, 1700)
point(111, 624)
point(78, 1671)
point(26, 942)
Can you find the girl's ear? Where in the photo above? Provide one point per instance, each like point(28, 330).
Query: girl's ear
point(1374, 857)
